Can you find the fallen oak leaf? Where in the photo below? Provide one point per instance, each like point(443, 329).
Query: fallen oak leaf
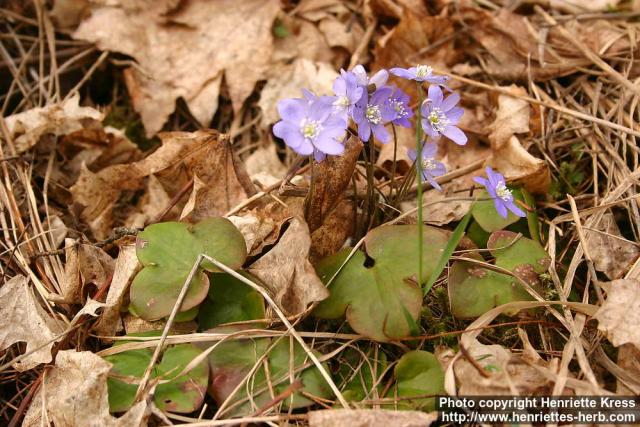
point(286, 271)
point(74, 391)
point(59, 119)
point(229, 38)
point(23, 319)
point(619, 315)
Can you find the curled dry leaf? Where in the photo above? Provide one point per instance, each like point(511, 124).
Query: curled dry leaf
point(611, 253)
point(126, 266)
point(264, 167)
point(508, 154)
point(226, 37)
point(74, 393)
point(204, 154)
point(286, 271)
point(23, 319)
point(629, 360)
point(619, 316)
point(505, 373)
point(287, 81)
point(85, 264)
point(302, 40)
point(63, 118)
point(370, 418)
point(517, 47)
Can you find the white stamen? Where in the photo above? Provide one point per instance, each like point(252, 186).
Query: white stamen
point(503, 192)
point(438, 119)
point(341, 102)
point(429, 164)
point(423, 71)
point(310, 128)
point(373, 114)
point(398, 106)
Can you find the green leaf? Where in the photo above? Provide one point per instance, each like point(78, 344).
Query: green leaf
point(183, 394)
point(455, 238)
point(230, 300)
point(373, 287)
point(359, 372)
point(186, 393)
point(474, 290)
point(231, 361)
point(418, 373)
point(485, 214)
point(168, 251)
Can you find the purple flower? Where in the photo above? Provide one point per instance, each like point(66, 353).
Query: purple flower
point(431, 168)
point(399, 102)
point(379, 79)
point(309, 126)
point(347, 91)
point(440, 116)
point(501, 195)
point(372, 113)
point(420, 73)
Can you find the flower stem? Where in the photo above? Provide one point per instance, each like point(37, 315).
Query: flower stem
point(419, 173)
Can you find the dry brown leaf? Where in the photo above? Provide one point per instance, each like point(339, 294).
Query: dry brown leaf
point(581, 6)
point(405, 45)
point(303, 41)
point(264, 167)
point(133, 325)
point(23, 319)
point(512, 117)
point(126, 267)
point(153, 202)
point(508, 155)
point(611, 253)
point(255, 227)
point(515, 47)
point(629, 360)
point(183, 52)
point(395, 8)
point(331, 178)
point(67, 14)
point(182, 155)
point(341, 34)
point(336, 228)
point(507, 373)
point(74, 393)
point(287, 273)
point(405, 139)
point(288, 81)
point(63, 118)
point(370, 418)
point(85, 264)
point(315, 10)
point(619, 316)
point(220, 182)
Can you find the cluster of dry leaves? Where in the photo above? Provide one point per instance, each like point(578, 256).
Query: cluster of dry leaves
point(76, 191)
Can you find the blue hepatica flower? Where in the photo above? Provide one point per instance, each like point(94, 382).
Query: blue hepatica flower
point(420, 73)
point(399, 102)
point(431, 168)
point(347, 91)
point(441, 115)
point(501, 195)
point(379, 79)
point(309, 126)
point(371, 113)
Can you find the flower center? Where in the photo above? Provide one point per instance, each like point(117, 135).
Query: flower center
point(373, 114)
point(438, 119)
point(398, 107)
point(428, 164)
point(503, 192)
point(423, 71)
point(341, 102)
point(310, 128)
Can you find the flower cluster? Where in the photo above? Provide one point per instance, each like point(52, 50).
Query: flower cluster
point(319, 125)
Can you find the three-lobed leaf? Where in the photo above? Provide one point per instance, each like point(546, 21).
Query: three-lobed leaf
point(378, 290)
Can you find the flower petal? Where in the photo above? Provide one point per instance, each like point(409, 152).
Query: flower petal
point(412, 154)
point(454, 115)
point(450, 102)
point(455, 134)
point(288, 132)
point(433, 182)
point(481, 180)
point(293, 109)
point(500, 207)
point(435, 95)
point(340, 86)
point(429, 150)
point(364, 130)
point(380, 78)
point(327, 144)
point(515, 209)
point(381, 133)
